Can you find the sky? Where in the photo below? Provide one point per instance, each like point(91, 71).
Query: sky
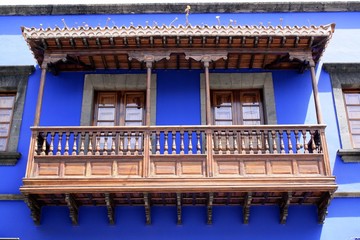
point(41, 2)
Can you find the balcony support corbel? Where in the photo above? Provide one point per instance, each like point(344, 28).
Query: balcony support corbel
point(110, 207)
point(246, 207)
point(323, 205)
point(34, 207)
point(147, 209)
point(210, 208)
point(284, 207)
point(73, 208)
point(178, 208)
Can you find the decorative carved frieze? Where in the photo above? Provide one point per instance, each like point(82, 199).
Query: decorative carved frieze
point(149, 57)
point(206, 57)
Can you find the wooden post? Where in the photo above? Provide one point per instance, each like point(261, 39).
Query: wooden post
point(316, 93)
point(209, 147)
point(148, 92)
point(40, 95)
point(147, 139)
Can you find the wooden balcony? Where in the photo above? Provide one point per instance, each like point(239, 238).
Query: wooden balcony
point(178, 165)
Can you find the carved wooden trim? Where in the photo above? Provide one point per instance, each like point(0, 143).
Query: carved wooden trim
point(73, 208)
point(110, 207)
point(35, 208)
point(246, 207)
point(210, 208)
point(147, 208)
point(323, 206)
point(284, 207)
point(178, 208)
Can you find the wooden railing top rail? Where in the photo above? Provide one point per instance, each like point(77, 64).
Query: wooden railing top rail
point(180, 127)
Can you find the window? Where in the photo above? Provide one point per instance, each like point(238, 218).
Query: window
point(237, 107)
point(6, 112)
point(352, 106)
point(119, 109)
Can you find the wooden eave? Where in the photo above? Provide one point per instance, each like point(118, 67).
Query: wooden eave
point(245, 47)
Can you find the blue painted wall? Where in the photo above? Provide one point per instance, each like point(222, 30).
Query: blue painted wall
point(178, 103)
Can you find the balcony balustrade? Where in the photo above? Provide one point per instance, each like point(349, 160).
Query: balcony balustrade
point(157, 165)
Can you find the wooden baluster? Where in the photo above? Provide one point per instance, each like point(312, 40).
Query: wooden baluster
point(251, 146)
point(227, 147)
point(242, 137)
point(128, 152)
point(36, 147)
point(166, 143)
point(198, 145)
point(43, 147)
point(136, 143)
point(306, 150)
point(290, 146)
point(273, 135)
point(220, 142)
point(97, 145)
point(105, 149)
point(90, 148)
point(297, 141)
point(259, 143)
point(82, 144)
point(236, 151)
point(121, 143)
point(182, 145)
point(51, 147)
point(59, 144)
point(113, 147)
point(74, 149)
point(66, 150)
point(282, 145)
point(313, 144)
point(158, 142)
point(190, 147)
point(150, 142)
point(267, 147)
point(173, 133)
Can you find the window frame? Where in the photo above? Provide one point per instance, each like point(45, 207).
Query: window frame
point(14, 79)
point(344, 76)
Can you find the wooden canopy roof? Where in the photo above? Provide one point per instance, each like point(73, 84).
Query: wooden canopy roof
point(174, 47)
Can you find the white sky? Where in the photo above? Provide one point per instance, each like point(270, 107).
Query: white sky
point(40, 2)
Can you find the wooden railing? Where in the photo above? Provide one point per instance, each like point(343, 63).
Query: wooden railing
point(180, 151)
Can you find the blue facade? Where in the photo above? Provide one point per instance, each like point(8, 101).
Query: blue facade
point(178, 103)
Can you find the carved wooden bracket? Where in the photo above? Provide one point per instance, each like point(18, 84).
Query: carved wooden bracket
point(305, 57)
point(50, 59)
point(149, 57)
point(178, 208)
point(284, 207)
point(246, 207)
point(206, 57)
point(323, 205)
point(209, 208)
point(35, 208)
point(147, 208)
point(110, 207)
point(73, 208)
